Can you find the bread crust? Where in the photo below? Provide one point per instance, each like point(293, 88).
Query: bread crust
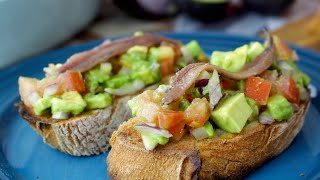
point(82, 135)
point(225, 157)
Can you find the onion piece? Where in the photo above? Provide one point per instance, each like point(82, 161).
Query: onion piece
point(199, 133)
point(51, 90)
point(34, 97)
point(60, 115)
point(265, 119)
point(132, 88)
point(201, 82)
point(148, 128)
point(187, 55)
point(215, 93)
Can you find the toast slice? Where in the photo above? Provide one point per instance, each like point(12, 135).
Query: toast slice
point(83, 135)
point(229, 156)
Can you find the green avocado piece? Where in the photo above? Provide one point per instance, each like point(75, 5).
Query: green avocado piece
point(148, 72)
point(232, 60)
point(255, 48)
point(209, 129)
point(255, 109)
point(70, 101)
point(194, 48)
point(118, 81)
point(97, 76)
point(97, 101)
point(42, 105)
point(184, 104)
point(232, 114)
point(279, 107)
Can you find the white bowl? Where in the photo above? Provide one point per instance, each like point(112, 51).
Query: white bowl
point(28, 27)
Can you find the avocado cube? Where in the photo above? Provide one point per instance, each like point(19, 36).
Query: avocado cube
point(279, 107)
point(232, 114)
point(194, 48)
point(98, 101)
point(42, 104)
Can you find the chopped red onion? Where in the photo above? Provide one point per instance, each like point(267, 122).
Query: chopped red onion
point(60, 115)
point(201, 82)
point(51, 90)
point(147, 128)
point(34, 97)
point(215, 93)
point(199, 133)
point(265, 119)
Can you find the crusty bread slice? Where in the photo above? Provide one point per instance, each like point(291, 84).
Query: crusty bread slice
point(81, 135)
point(225, 157)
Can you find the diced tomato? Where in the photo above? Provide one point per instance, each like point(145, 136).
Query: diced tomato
point(228, 84)
point(283, 51)
point(168, 119)
point(258, 89)
point(197, 113)
point(189, 97)
point(166, 66)
point(289, 89)
point(178, 130)
point(73, 82)
point(166, 60)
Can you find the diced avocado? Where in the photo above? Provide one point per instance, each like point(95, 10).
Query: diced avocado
point(106, 68)
point(97, 75)
point(165, 52)
point(194, 48)
point(96, 101)
point(148, 72)
point(255, 109)
point(209, 129)
point(149, 142)
point(153, 54)
point(42, 104)
point(279, 107)
point(232, 114)
point(231, 61)
point(118, 80)
point(255, 48)
point(303, 93)
point(196, 93)
point(184, 104)
point(70, 102)
point(137, 53)
point(160, 139)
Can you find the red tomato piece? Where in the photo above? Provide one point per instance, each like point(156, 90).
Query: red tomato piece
point(258, 89)
point(227, 84)
point(73, 82)
point(178, 130)
point(197, 113)
point(168, 119)
point(289, 89)
point(166, 66)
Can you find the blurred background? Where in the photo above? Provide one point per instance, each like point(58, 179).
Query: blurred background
point(31, 27)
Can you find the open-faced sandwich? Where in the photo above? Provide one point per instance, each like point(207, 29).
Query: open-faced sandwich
point(78, 104)
point(214, 121)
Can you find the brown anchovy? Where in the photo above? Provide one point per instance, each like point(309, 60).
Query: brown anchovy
point(184, 79)
point(86, 60)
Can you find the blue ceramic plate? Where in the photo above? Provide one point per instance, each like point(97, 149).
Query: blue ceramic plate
point(23, 155)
